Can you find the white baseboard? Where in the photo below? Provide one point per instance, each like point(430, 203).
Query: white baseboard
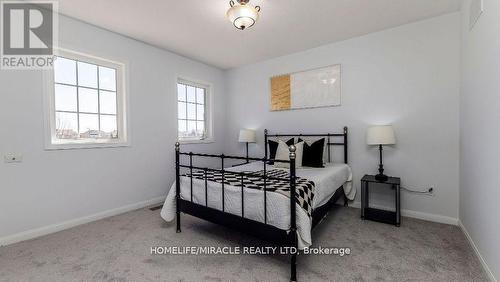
point(478, 254)
point(34, 233)
point(415, 214)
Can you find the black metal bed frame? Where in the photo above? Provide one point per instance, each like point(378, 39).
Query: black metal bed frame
point(261, 230)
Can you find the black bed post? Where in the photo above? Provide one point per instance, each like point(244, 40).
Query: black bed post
point(345, 144)
point(177, 187)
point(265, 142)
point(293, 221)
point(346, 200)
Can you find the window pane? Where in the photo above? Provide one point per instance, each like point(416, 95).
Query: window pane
point(181, 92)
point(200, 95)
point(109, 128)
point(66, 126)
point(65, 71)
point(108, 102)
point(200, 128)
point(65, 98)
point(200, 112)
point(191, 94)
point(181, 110)
point(107, 78)
point(182, 128)
point(191, 128)
point(88, 100)
point(89, 126)
point(191, 111)
point(87, 75)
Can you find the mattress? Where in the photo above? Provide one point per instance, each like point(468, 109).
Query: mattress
point(327, 180)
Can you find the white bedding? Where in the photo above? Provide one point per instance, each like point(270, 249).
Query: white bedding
point(326, 180)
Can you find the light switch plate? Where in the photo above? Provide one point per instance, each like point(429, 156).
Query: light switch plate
point(13, 158)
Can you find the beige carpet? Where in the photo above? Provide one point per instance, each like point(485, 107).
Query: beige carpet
point(118, 249)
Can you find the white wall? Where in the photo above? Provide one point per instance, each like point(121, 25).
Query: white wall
point(407, 76)
point(50, 187)
point(480, 132)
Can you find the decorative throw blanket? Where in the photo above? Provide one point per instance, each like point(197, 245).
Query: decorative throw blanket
point(279, 182)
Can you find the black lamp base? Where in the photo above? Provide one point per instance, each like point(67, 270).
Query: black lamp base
point(247, 153)
point(381, 177)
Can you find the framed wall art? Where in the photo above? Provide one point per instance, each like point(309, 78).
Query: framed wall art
point(306, 89)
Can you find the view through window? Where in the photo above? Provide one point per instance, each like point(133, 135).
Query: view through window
point(191, 110)
point(85, 97)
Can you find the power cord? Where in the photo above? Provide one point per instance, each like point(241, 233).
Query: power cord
point(429, 191)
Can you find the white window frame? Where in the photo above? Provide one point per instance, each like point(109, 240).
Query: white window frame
point(209, 96)
point(53, 143)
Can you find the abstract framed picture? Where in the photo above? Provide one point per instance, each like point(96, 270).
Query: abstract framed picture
point(306, 89)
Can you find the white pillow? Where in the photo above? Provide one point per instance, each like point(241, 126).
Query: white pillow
point(283, 153)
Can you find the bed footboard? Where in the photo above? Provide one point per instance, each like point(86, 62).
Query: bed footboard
point(259, 229)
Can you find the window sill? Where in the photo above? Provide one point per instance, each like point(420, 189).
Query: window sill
point(76, 145)
point(195, 141)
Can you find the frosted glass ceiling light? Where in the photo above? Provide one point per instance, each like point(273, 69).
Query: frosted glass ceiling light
point(242, 15)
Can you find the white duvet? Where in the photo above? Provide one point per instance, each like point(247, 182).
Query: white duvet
point(326, 180)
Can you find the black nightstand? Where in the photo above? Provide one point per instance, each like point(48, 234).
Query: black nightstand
point(391, 217)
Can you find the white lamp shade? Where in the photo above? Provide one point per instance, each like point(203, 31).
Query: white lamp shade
point(242, 16)
point(247, 135)
point(380, 135)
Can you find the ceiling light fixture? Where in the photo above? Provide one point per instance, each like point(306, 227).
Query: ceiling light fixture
point(242, 15)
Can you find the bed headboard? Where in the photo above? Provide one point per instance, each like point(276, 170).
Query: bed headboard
point(332, 139)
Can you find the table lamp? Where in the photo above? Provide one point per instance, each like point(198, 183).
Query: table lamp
point(247, 136)
point(381, 135)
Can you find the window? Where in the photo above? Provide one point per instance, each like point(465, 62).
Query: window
point(193, 117)
point(86, 102)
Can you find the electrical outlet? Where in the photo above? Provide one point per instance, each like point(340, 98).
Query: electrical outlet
point(432, 191)
point(13, 158)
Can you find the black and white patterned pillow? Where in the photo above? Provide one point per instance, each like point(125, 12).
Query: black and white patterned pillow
point(273, 148)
